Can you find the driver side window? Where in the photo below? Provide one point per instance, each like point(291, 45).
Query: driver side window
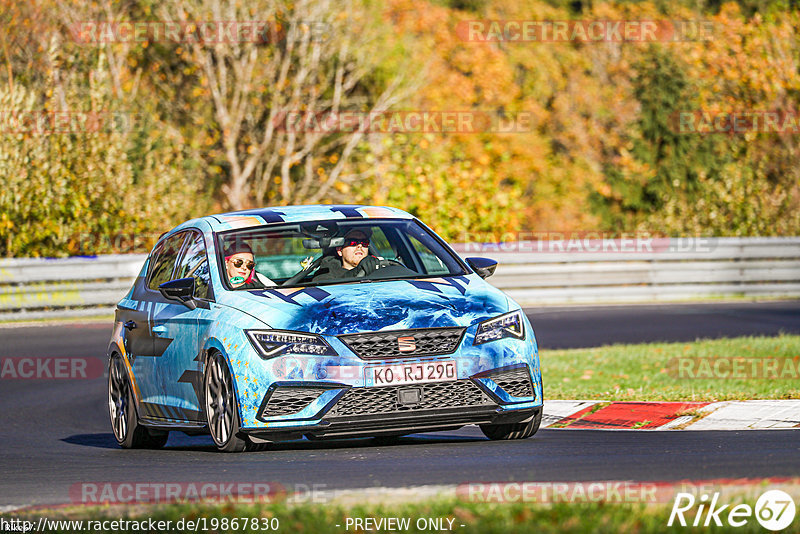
point(431, 262)
point(380, 243)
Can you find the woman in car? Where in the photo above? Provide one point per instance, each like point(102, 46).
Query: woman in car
point(240, 266)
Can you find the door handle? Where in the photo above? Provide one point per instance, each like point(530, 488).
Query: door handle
point(130, 325)
point(160, 329)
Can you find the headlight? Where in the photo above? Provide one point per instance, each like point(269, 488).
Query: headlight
point(508, 325)
point(272, 343)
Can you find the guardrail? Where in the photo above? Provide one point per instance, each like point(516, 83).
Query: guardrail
point(34, 288)
point(651, 270)
point(532, 272)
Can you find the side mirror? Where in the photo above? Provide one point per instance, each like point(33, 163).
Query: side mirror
point(181, 290)
point(484, 267)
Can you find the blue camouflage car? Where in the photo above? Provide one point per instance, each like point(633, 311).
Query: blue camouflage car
point(319, 322)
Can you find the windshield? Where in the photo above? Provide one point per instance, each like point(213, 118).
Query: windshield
point(332, 252)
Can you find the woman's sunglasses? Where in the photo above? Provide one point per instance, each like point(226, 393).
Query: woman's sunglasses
point(239, 261)
point(354, 242)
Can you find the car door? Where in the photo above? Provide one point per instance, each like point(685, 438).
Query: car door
point(177, 342)
point(135, 334)
point(147, 367)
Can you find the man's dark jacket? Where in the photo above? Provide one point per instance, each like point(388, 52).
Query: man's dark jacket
point(330, 268)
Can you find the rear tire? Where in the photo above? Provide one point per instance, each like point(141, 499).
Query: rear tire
point(122, 410)
point(222, 411)
point(513, 430)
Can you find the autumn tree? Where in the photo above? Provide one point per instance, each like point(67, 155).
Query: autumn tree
point(316, 58)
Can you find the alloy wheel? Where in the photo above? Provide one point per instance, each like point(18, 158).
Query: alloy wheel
point(219, 401)
point(118, 399)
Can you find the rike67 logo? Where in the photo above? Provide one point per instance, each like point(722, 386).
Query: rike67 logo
point(774, 510)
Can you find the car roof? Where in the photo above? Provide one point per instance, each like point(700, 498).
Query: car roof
point(288, 214)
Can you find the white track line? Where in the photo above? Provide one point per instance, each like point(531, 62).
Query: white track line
point(675, 422)
point(752, 414)
point(556, 410)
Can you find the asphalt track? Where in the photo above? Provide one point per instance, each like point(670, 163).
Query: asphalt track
point(56, 435)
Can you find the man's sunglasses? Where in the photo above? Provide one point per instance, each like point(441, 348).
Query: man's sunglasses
point(354, 242)
point(239, 261)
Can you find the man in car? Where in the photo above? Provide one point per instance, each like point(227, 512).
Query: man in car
point(352, 254)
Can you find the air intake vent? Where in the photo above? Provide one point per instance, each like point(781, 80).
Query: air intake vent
point(287, 400)
point(385, 400)
point(516, 382)
point(401, 343)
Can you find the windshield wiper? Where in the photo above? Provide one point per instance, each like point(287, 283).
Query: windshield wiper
point(344, 281)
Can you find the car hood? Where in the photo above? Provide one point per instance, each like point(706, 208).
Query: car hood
point(387, 305)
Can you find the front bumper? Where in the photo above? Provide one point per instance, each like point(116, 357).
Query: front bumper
point(320, 410)
point(377, 425)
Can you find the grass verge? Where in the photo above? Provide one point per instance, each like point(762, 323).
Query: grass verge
point(438, 515)
point(712, 370)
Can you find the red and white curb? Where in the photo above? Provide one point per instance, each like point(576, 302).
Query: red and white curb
point(727, 415)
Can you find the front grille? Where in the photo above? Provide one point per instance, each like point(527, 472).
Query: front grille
point(289, 400)
point(516, 383)
point(426, 342)
point(384, 400)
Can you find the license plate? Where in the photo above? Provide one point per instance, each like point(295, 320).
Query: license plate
point(411, 373)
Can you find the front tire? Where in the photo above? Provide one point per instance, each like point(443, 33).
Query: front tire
point(222, 413)
point(513, 430)
point(122, 410)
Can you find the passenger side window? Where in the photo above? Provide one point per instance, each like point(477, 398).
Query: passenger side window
point(163, 260)
point(195, 264)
